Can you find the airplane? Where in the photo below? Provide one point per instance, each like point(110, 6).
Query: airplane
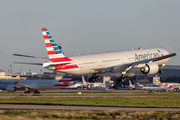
point(95, 85)
point(131, 85)
point(170, 84)
point(153, 88)
point(171, 88)
point(149, 61)
point(35, 85)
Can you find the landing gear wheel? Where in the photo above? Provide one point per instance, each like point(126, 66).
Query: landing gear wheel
point(160, 72)
point(36, 91)
point(94, 78)
point(123, 78)
point(27, 91)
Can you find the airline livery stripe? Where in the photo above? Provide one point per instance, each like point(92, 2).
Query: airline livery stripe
point(66, 66)
point(47, 41)
point(46, 37)
point(48, 45)
point(64, 81)
point(51, 52)
point(43, 29)
point(61, 85)
point(60, 59)
point(44, 33)
point(50, 48)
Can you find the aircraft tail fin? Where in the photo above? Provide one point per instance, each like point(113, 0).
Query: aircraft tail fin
point(64, 82)
point(166, 85)
point(136, 85)
point(130, 84)
point(84, 81)
point(173, 87)
point(54, 52)
point(158, 81)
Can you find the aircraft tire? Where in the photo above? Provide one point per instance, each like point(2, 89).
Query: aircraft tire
point(160, 72)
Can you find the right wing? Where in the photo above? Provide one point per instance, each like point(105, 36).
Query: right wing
point(138, 64)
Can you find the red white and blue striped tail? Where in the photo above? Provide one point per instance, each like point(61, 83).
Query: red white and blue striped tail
point(136, 85)
point(54, 52)
point(158, 81)
point(84, 82)
point(166, 85)
point(130, 84)
point(64, 81)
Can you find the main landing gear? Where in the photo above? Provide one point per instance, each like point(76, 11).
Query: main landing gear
point(160, 70)
point(28, 91)
point(94, 78)
point(36, 91)
point(123, 78)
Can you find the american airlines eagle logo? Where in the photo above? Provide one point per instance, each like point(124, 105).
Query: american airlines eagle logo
point(160, 52)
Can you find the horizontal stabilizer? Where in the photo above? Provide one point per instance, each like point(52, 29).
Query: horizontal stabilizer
point(29, 63)
point(38, 58)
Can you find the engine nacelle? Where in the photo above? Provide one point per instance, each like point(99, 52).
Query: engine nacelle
point(150, 68)
point(11, 88)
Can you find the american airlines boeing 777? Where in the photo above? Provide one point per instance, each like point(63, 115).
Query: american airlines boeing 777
point(150, 61)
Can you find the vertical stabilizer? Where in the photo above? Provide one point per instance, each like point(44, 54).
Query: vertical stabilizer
point(64, 81)
point(136, 85)
point(158, 81)
point(84, 82)
point(166, 85)
point(54, 52)
point(130, 84)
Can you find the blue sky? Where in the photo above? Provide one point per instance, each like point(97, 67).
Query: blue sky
point(86, 27)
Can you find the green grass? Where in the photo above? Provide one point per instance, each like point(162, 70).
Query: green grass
point(155, 102)
point(85, 93)
point(83, 115)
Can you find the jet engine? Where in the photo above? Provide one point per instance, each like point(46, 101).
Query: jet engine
point(150, 68)
point(11, 88)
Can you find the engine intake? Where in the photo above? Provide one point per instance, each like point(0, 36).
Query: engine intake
point(150, 68)
point(11, 88)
